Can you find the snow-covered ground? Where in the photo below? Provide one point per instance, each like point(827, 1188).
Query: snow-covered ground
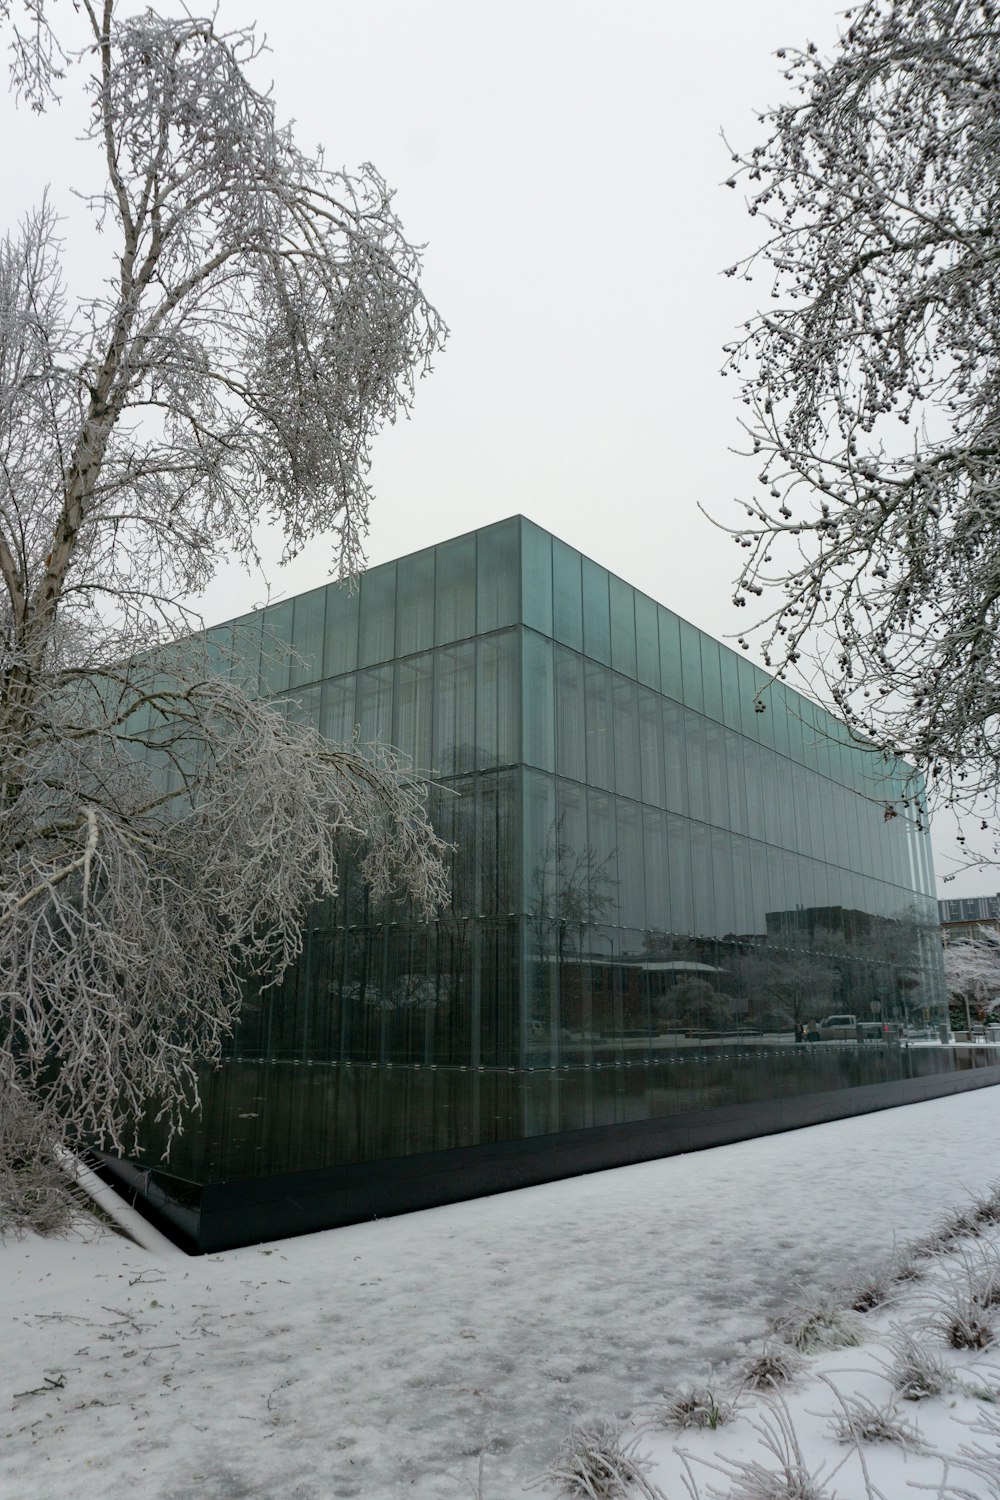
point(381, 1360)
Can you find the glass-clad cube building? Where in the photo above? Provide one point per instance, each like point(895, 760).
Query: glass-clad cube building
point(667, 871)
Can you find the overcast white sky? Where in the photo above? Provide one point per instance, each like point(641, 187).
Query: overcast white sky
point(562, 159)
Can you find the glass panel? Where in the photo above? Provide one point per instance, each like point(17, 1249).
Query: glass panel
point(540, 840)
point(746, 686)
point(536, 577)
point(307, 636)
point(756, 826)
point(596, 612)
point(722, 868)
point(497, 863)
point(497, 706)
point(602, 859)
point(628, 779)
point(773, 790)
point(570, 718)
point(651, 747)
point(691, 666)
point(760, 887)
point(697, 784)
point(647, 644)
point(779, 710)
point(538, 709)
point(675, 752)
point(340, 651)
point(743, 922)
point(454, 709)
point(377, 630)
point(796, 728)
point(276, 643)
point(415, 603)
point(670, 655)
point(631, 874)
point(623, 657)
point(600, 726)
point(711, 673)
point(455, 590)
point(656, 869)
point(702, 881)
point(764, 719)
point(681, 898)
point(497, 568)
point(732, 714)
point(736, 782)
point(567, 596)
point(337, 717)
point(415, 710)
point(375, 705)
point(573, 909)
point(718, 782)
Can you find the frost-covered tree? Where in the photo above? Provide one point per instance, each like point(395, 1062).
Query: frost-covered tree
point(162, 830)
point(871, 381)
point(972, 973)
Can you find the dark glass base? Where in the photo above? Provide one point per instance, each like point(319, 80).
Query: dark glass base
point(285, 1148)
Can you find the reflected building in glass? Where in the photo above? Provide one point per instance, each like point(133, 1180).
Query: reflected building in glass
point(666, 870)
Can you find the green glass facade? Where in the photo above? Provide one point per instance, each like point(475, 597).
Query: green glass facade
point(655, 886)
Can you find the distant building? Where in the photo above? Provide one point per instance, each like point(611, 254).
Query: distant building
point(960, 916)
point(966, 909)
point(657, 876)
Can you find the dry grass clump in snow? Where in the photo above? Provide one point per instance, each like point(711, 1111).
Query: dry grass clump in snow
point(916, 1373)
point(861, 1421)
point(961, 1223)
point(906, 1267)
point(966, 1324)
point(694, 1407)
point(986, 1206)
point(873, 1287)
point(823, 1325)
point(594, 1464)
point(786, 1476)
point(775, 1365)
point(984, 1276)
point(966, 1302)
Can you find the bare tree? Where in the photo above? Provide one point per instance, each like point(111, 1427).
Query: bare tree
point(161, 830)
point(871, 382)
point(784, 988)
point(972, 972)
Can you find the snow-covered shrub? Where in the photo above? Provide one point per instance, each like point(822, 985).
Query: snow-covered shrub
point(594, 1464)
point(916, 1372)
point(34, 1191)
point(775, 1365)
point(694, 1406)
point(861, 1421)
point(821, 1325)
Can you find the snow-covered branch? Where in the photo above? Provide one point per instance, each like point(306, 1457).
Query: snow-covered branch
point(871, 383)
